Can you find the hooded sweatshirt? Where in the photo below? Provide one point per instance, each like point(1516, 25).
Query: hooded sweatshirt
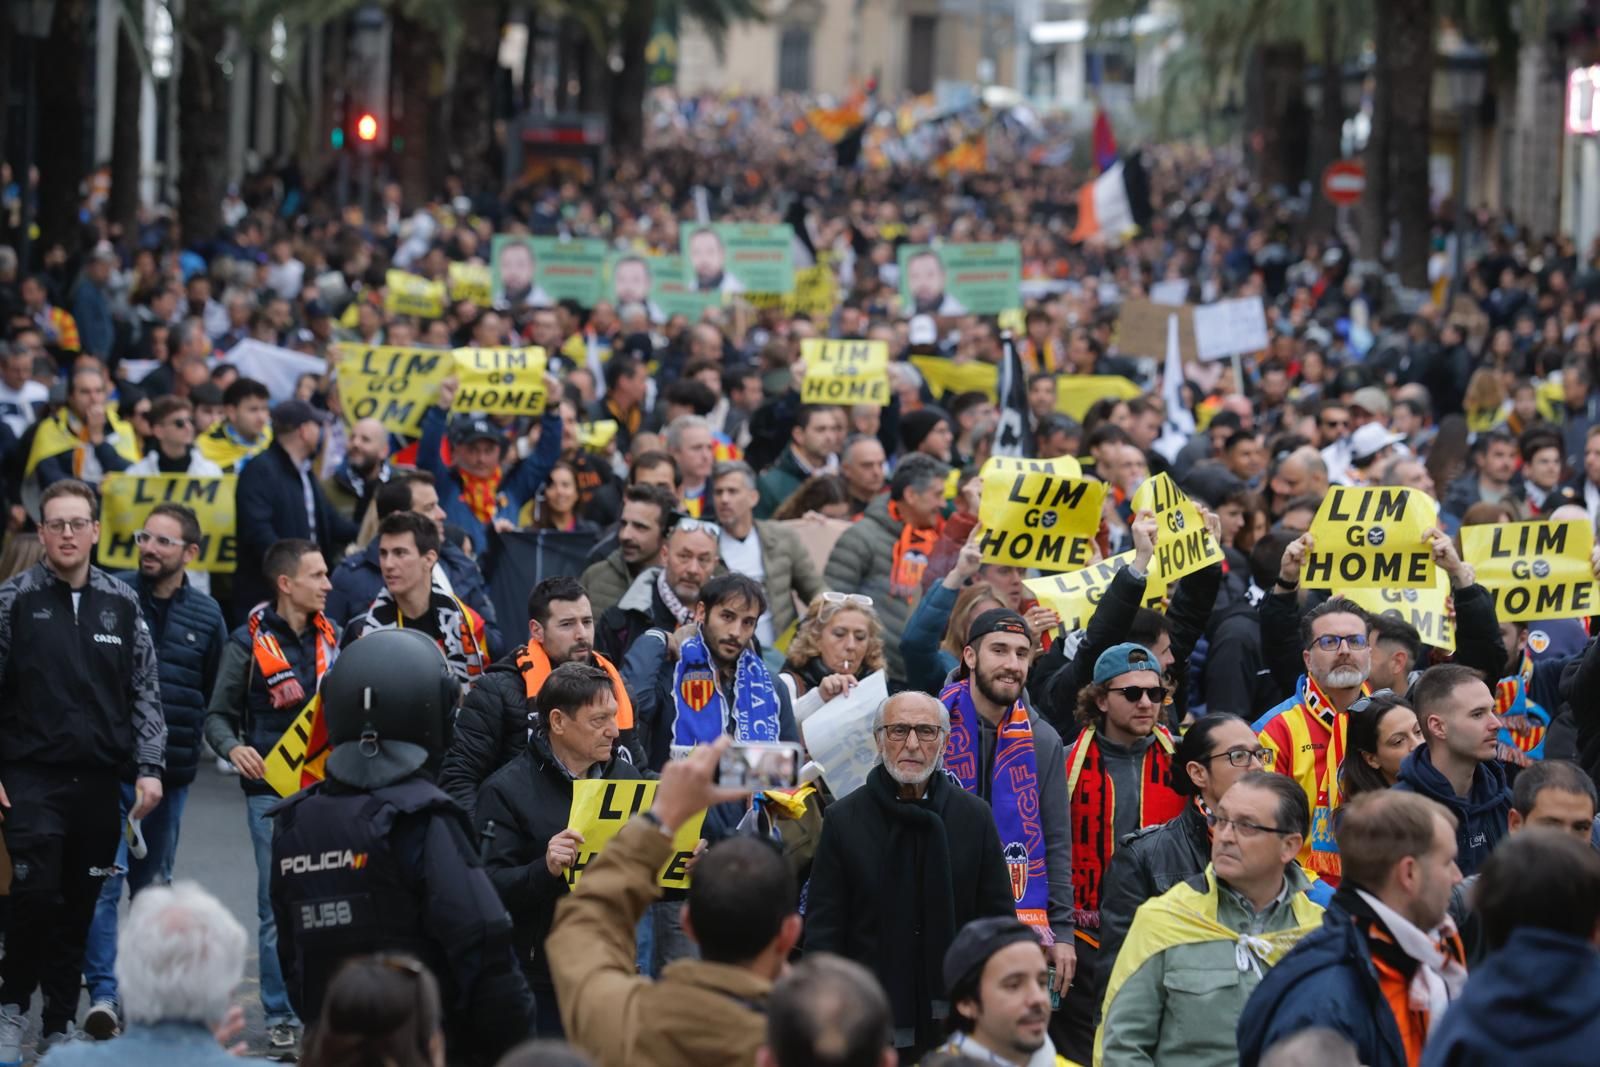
point(1480, 815)
point(1536, 1000)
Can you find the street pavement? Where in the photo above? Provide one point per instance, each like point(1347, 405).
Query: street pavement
point(214, 850)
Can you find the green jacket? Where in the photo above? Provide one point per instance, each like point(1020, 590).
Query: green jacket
point(1177, 990)
point(606, 581)
point(861, 562)
point(779, 482)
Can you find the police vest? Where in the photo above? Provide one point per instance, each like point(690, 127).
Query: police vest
point(338, 886)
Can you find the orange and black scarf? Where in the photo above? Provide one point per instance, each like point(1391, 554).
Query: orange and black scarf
point(283, 687)
point(481, 494)
point(454, 627)
point(912, 549)
point(534, 663)
point(1093, 802)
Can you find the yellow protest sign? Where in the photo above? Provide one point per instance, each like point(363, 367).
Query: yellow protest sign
point(845, 372)
point(945, 376)
point(1013, 319)
point(500, 381)
point(127, 499)
point(1038, 518)
point(299, 757)
point(1535, 570)
point(1076, 596)
point(1183, 544)
point(411, 294)
point(814, 292)
point(471, 281)
point(1371, 538)
point(1064, 466)
point(1076, 393)
point(393, 384)
point(1428, 611)
point(601, 808)
point(595, 436)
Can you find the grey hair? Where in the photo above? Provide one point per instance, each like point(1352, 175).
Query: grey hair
point(676, 429)
point(730, 467)
point(944, 712)
point(179, 956)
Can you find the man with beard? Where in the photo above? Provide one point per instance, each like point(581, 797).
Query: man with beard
point(1306, 733)
point(1005, 754)
point(188, 632)
point(492, 727)
point(662, 597)
point(709, 261)
point(646, 512)
point(172, 425)
point(996, 980)
point(350, 488)
point(413, 599)
point(703, 680)
point(902, 865)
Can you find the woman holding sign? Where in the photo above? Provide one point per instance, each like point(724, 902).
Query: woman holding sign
point(522, 815)
point(839, 642)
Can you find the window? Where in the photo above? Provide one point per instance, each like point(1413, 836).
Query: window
point(794, 60)
point(919, 54)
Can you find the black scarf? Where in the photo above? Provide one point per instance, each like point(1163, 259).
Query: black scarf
point(919, 916)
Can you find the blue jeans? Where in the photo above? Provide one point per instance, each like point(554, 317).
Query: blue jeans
point(160, 829)
point(274, 994)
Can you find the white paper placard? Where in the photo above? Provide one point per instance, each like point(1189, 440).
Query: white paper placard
point(839, 735)
point(1230, 328)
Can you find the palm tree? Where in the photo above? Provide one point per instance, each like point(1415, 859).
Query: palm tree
point(59, 83)
point(202, 118)
point(1409, 77)
point(123, 207)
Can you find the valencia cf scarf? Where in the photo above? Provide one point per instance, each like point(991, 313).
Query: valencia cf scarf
point(701, 711)
point(1525, 722)
point(909, 560)
point(224, 446)
point(283, 687)
point(534, 664)
point(1092, 799)
point(480, 494)
point(1013, 796)
point(456, 628)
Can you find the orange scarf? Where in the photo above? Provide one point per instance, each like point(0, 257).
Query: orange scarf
point(283, 687)
point(910, 557)
point(534, 663)
point(481, 494)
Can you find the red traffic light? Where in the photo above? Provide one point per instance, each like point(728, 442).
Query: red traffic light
point(367, 127)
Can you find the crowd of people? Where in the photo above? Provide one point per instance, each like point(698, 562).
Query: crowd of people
point(1227, 818)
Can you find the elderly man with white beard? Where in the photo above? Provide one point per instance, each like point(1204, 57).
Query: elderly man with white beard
point(904, 863)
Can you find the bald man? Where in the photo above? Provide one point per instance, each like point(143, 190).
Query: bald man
point(913, 859)
point(366, 466)
point(1300, 473)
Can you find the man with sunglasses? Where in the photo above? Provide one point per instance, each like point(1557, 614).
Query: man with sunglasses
point(172, 427)
point(1196, 953)
point(188, 631)
point(662, 597)
point(903, 864)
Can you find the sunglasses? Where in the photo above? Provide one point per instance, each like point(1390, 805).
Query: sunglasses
point(1331, 642)
point(860, 600)
point(1365, 702)
point(145, 537)
point(688, 525)
point(1132, 693)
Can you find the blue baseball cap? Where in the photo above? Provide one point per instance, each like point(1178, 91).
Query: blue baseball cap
point(1120, 659)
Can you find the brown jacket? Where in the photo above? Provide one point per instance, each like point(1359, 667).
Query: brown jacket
point(698, 1015)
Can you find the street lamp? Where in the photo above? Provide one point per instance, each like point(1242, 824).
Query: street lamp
point(32, 19)
point(1466, 74)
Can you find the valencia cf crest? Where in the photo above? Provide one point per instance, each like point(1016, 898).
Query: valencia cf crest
point(1538, 640)
point(1016, 857)
point(697, 688)
point(1528, 738)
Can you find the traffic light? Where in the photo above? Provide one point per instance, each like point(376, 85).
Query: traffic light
point(367, 127)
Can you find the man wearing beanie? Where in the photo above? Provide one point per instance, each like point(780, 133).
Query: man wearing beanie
point(1119, 780)
point(1001, 751)
point(927, 430)
point(996, 975)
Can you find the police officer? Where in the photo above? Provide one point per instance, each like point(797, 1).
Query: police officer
point(377, 858)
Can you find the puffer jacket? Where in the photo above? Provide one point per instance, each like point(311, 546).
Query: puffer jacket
point(188, 654)
point(1481, 816)
point(861, 562)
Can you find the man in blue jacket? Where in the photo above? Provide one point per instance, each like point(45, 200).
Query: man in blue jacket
point(1457, 767)
point(188, 632)
point(1536, 998)
point(477, 492)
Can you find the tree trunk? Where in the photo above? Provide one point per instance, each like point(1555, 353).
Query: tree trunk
point(468, 104)
point(59, 76)
point(1375, 204)
point(8, 74)
point(628, 85)
point(416, 61)
point(1329, 120)
point(202, 123)
point(123, 208)
point(1411, 78)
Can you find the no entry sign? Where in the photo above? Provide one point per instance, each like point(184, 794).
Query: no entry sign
point(1344, 182)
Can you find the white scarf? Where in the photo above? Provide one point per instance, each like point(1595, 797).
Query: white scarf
point(966, 1045)
point(1440, 978)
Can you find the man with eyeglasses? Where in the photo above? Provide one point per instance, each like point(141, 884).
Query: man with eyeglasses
point(188, 631)
point(1196, 953)
point(1119, 779)
point(80, 702)
point(172, 426)
point(903, 864)
point(1306, 733)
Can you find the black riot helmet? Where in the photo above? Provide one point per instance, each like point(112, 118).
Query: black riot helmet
point(387, 700)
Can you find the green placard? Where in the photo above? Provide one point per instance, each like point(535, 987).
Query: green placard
point(657, 282)
point(975, 279)
point(538, 271)
point(731, 257)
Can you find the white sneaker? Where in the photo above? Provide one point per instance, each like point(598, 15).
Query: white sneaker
point(70, 1036)
point(225, 767)
point(13, 1028)
point(102, 1023)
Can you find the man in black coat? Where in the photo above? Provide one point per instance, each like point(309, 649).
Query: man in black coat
point(522, 813)
point(904, 862)
point(278, 498)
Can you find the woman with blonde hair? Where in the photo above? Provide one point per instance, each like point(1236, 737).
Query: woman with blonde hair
point(839, 641)
point(1485, 396)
